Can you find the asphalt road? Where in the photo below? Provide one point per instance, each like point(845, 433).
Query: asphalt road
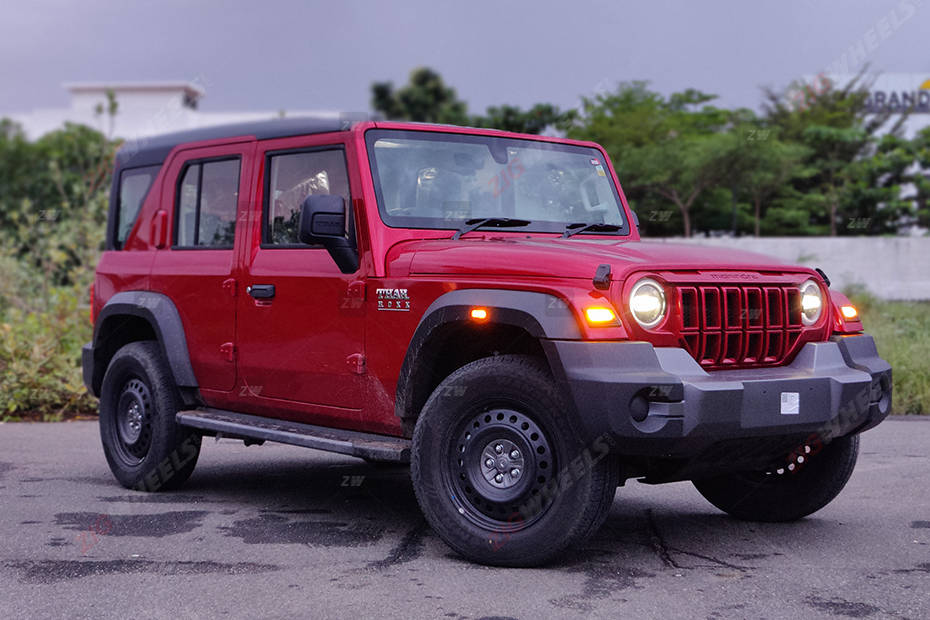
point(276, 531)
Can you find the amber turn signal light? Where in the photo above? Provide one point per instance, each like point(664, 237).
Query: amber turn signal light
point(850, 313)
point(599, 315)
point(479, 314)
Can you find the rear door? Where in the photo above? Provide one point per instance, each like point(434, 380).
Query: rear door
point(206, 188)
point(301, 321)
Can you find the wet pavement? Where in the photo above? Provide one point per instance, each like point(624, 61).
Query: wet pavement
point(278, 531)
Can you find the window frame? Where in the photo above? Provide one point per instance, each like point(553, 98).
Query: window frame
point(115, 241)
point(177, 201)
point(266, 196)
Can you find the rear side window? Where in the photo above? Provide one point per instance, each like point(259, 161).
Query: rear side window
point(205, 208)
point(134, 185)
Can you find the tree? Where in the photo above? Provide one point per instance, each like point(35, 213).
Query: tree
point(54, 197)
point(532, 121)
point(674, 148)
point(426, 98)
point(840, 133)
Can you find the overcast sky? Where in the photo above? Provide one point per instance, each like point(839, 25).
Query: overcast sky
point(306, 54)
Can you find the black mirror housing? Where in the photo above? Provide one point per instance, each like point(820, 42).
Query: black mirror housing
point(323, 222)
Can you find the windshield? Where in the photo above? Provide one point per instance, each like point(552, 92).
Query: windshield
point(441, 180)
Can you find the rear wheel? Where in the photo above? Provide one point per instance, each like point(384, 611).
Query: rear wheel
point(499, 469)
point(144, 446)
point(785, 493)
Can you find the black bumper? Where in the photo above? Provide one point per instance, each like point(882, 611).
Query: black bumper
point(659, 402)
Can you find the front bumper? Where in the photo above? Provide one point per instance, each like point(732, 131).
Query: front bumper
point(659, 402)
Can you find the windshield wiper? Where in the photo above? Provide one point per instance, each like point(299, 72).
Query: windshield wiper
point(580, 227)
point(499, 222)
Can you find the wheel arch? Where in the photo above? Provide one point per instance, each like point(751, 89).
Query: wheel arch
point(448, 338)
point(131, 316)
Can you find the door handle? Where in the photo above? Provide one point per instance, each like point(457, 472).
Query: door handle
point(261, 291)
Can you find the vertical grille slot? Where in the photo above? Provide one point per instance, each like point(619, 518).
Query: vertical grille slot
point(690, 313)
point(775, 308)
point(711, 304)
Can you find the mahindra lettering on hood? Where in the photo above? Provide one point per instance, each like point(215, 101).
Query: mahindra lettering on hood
point(472, 302)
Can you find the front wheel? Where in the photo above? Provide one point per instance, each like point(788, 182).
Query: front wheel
point(783, 494)
point(145, 448)
point(499, 468)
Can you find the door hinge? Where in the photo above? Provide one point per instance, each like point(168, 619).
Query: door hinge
point(228, 350)
point(356, 362)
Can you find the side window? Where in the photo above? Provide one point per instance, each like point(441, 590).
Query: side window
point(205, 209)
point(134, 185)
point(291, 178)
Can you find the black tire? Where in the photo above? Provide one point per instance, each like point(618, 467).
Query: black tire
point(145, 448)
point(781, 494)
point(508, 407)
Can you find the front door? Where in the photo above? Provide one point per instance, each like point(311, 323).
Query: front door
point(301, 320)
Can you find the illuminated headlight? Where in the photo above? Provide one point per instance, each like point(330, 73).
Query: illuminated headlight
point(647, 302)
point(811, 302)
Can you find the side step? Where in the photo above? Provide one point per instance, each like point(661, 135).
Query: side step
point(353, 443)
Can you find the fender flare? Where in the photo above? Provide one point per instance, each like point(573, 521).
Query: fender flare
point(161, 314)
point(543, 316)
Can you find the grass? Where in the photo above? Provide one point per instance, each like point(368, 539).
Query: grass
point(902, 334)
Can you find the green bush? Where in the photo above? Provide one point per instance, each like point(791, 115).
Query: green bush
point(42, 329)
point(902, 334)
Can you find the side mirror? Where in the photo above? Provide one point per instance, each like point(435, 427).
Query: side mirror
point(323, 222)
point(635, 218)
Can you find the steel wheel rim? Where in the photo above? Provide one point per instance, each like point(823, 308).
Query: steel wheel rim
point(133, 431)
point(483, 453)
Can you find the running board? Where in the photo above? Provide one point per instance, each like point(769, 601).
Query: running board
point(353, 443)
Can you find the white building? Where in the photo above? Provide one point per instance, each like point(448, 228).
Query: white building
point(144, 109)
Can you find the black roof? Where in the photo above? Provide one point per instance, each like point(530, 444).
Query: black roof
point(154, 150)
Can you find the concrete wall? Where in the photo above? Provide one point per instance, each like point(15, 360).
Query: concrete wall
point(889, 267)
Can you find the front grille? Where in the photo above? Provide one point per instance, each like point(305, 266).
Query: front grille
point(734, 326)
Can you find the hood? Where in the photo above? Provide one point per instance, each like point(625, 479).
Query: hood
point(570, 258)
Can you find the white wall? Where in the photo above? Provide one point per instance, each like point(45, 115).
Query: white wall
point(889, 267)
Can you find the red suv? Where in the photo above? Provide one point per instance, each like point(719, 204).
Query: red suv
point(475, 302)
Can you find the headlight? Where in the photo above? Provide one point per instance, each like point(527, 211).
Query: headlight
point(647, 302)
point(811, 302)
